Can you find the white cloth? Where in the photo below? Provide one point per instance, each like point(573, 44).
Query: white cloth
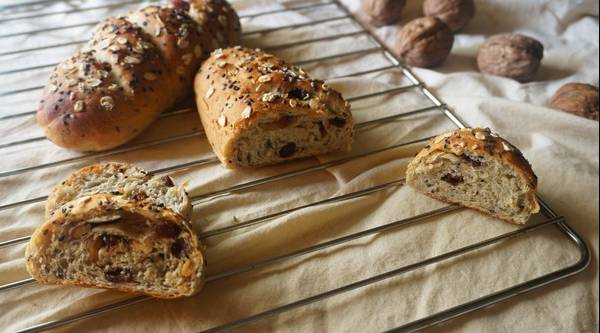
point(562, 148)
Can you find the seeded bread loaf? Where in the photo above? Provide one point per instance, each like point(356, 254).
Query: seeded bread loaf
point(107, 241)
point(134, 68)
point(258, 110)
point(124, 180)
point(477, 169)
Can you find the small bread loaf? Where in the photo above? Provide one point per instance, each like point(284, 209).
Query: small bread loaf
point(107, 241)
point(477, 169)
point(134, 68)
point(577, 98)
point(124, 180)
point(258, 110)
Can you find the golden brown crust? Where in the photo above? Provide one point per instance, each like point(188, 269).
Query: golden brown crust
point(236, 88)
point(133, 69)
point(484, 142)
point(100, 205)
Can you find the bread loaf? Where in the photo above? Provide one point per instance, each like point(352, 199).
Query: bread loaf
point(477, 169)
point(134, 68)
point(258, 110)
point(124, 180)
point(107, 241)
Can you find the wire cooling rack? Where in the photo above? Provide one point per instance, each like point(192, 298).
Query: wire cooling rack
point(23, 11)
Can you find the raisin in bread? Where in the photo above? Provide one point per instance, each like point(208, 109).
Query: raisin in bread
point(477, 169)
point(257, 109)
point(107, 241)
point(121, 179)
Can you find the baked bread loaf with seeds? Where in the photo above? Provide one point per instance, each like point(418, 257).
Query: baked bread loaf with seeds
point(113, 88)
point(477, 169)
point(121, 179)
point(107, 241)
point(258, 110)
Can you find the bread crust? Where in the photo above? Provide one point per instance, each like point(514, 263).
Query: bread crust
point(134, 68)
point(101, 205)
point(71, 188)
point(480, 142)
point(237, 89)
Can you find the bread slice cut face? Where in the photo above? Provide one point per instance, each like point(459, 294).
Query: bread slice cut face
point(107, 241)
point(121, 179)
point(257, 110)
point(477, 169)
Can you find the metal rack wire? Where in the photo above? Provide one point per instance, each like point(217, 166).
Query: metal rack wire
point(436, 107)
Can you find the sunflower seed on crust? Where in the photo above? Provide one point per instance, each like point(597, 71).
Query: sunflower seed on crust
point(222, 121)
point(246, 112)
point(210, 92)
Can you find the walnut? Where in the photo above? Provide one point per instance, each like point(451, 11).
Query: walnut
point(424, 42)
point(455, 13)
point(578, 98)
point(382, 12)
point(510, 55)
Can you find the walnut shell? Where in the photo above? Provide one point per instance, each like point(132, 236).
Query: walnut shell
point(424, 42)
point(455, 13)
point(382, 12)
point(577, 98)
point(510, 55)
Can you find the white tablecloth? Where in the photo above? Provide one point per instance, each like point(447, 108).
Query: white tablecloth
point(562, 148)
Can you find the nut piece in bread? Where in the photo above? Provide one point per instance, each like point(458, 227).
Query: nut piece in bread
point(476, 168)
point(578, 98)
point(510, 55)
point(120, 179)
point(107, 241)
point(424, 42)
point(133, 68)
point(455, 13)
point(257, 109)
point(382, 12)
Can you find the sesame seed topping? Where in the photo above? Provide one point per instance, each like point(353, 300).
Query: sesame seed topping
point(222, 120)
point(107, 103)
point(210, 92)
point(293, 103)
point(105, 43)
point(81, 87)
point(218, 53)
point(246, 112)
point(479, 136)
point(264, 78)
point(103, 74)
point(79, 106)
point(131, 60)
point(71, 82)
point(506, 146)
point(93, 82)
point(121, 40)
point(269, 97)
point(222, 64)
point(158, 31)
point(52, 88)
point(114, 48)
point(113, 87)
point(150, 76)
